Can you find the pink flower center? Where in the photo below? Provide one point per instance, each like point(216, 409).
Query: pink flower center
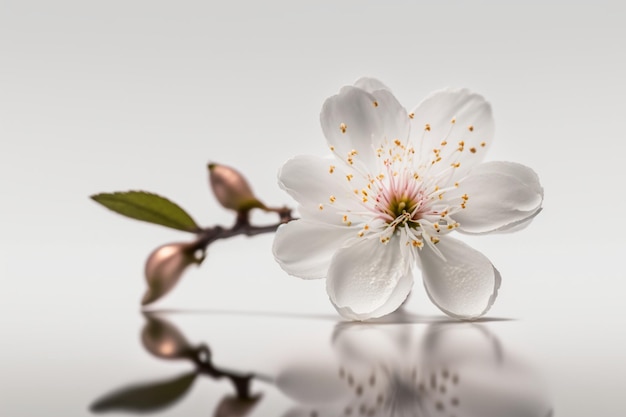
point(401, 200)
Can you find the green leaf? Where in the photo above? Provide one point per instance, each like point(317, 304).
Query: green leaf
point(148, 207)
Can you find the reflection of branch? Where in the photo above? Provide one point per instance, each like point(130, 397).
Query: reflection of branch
point(204, 365)
point(163, 340)
point(242, 226)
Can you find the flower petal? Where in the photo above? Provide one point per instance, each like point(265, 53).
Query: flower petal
point(370, 84)
point(457, 122)
point(305, 248)
point(516, 226)
point(320, 186)
point(369, 279)
point(465, 284)
point(501, 197)
point(357, 120)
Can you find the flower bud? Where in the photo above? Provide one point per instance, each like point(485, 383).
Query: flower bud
point(164, 268)
point(163, 339)
point(231, 189)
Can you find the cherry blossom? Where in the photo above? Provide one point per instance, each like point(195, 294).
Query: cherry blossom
point(383, 206)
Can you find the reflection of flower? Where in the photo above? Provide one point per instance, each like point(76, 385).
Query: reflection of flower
point(450, 370)
point(396, 185)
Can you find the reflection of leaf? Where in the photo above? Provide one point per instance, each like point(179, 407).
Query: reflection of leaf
point(145, 397)
point(148, 207)
point(162, 339)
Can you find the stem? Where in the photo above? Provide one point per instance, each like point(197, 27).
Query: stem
point(242, 226)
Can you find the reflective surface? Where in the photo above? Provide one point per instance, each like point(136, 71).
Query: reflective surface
point(400, 366)
point(228, 363)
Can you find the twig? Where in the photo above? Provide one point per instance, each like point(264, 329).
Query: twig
point(242, 226)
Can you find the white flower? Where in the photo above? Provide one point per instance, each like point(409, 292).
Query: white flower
point(397, 183)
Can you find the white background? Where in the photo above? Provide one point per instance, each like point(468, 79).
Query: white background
point(119, 95)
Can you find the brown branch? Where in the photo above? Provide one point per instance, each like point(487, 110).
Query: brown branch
point(242, 226)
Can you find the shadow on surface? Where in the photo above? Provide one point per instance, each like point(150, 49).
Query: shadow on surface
point(398, 317)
